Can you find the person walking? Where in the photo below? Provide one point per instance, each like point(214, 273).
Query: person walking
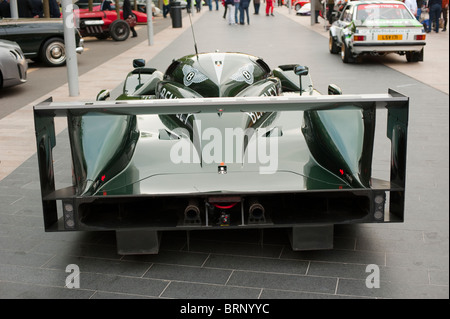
point(244, 11)
point(230, 8)
point(237, 4)
point(444, 13)
point(317, 7)
point(166, 8)
point(435, 7)
point(269, 7)
point(256, 5)
point(419, 9)
point(128, 14)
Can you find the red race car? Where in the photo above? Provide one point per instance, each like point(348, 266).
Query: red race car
point(296, 4)
point(104, 24)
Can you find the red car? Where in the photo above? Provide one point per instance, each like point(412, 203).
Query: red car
point(104, 24)
point(297, 4)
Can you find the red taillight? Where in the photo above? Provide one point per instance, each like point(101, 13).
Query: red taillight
point(419, 37)
point(359, 38)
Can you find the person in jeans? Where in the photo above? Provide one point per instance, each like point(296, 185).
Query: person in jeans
point(244, 11)
point(230, 9)
point(435, 7)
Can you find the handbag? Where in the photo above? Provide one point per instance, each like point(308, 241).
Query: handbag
point(131, 21)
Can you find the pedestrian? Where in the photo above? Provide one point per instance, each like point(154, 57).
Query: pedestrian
point(198, 5)
point(435, 7)
point(166, 8)
point(269, 7)
point(225, 6)
point(24, 9)
point(5, 10)
point(444, 13)
point(317, 7)
point(128, 14)
point(230, 8)
point(330, 9)
point(54, 9)
point(237, 4)
point(209, 3)
point(412, 6)
point(37, 9)
point(244, 11)
point(217, 4)
point(419, 9)
point(106, 5)
point(256, 5)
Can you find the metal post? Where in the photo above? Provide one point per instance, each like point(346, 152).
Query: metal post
point(13, 9)
point(290, 6)
point(70, 45)
point(149, 22)
point(46, 7)
point(313, 12)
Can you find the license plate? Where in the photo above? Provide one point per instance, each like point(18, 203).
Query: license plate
point(388, 37)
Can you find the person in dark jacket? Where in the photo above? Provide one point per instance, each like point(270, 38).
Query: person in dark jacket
point(54, 9)
point(243, 10)
point(5, 10)
point(127, 13)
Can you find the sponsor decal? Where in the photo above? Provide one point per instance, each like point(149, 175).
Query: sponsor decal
point(192, 75)
point(244, 74)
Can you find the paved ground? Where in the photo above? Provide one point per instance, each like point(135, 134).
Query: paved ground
point(412, 257)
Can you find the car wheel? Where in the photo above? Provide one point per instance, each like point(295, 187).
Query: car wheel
point(119, 30)
point(346, 54)
point(53, 52)
point(332, 45)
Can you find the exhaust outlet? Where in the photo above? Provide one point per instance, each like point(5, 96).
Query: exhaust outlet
point(192, 213)
point(256, 212)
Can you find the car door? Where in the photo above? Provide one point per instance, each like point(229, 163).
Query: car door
point(344, 20)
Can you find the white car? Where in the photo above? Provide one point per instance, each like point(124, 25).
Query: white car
point(377, 28)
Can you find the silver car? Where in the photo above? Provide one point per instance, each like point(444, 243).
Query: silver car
point(13, 65)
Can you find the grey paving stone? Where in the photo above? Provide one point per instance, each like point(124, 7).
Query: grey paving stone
point(10, 290)
point(97, 265)
point(257, 264)
point(282, 294)
point(172, 257)
point(353, 287)
point(283, 282)
point(22, 258)
point(188, 273)
point(233, 248)
point(186, 290)
point(122, 284)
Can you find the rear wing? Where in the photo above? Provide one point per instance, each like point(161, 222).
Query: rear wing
point(396, 104)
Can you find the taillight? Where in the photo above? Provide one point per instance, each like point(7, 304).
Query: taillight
point(419, 37)
point(359, 38)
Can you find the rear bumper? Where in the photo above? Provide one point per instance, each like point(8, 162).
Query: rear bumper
point(360, 47)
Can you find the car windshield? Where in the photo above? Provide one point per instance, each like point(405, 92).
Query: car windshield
point(384, 11)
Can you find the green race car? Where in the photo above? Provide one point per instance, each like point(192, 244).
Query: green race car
point(222, 141)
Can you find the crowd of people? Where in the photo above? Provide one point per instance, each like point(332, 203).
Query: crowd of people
point(30, 9)
point(237, 11)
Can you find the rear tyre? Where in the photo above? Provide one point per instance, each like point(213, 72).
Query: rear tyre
point(119, 30)
point(346, 54)
point(53, 52)
point(332, 45)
